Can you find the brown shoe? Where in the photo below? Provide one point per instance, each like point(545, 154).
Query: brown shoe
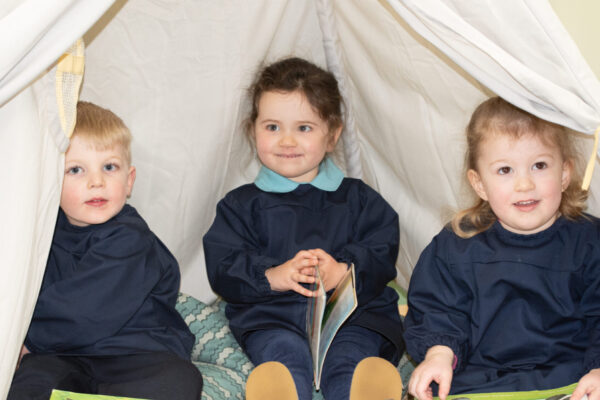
point(375, 379)
point(271, 380)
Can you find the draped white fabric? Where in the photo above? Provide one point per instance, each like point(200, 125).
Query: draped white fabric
point(517, 48)
point(33, 34)
point(176, 71)
point(31, 182)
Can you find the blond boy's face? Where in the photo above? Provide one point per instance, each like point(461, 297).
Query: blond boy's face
point(96, 183)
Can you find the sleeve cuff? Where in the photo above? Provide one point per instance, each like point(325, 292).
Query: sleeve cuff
point(425, 343)
point(262, 282)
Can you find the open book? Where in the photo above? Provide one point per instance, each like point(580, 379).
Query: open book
point(62, 395)
point(325, 316)
point(561, 393)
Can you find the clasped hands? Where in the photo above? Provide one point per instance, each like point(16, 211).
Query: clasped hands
point(301, 269)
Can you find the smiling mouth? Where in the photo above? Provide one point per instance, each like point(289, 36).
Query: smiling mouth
point(289, 155)
point(526, 204)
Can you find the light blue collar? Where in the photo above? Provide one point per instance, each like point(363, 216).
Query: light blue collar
point(329, 179)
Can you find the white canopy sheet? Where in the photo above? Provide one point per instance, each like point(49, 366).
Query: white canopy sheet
point(177, 72)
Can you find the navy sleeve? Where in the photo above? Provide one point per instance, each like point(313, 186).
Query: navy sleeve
point(124, 266)
point(235, 267)
point(437, 307)
point(373, 247)
point(590, 303)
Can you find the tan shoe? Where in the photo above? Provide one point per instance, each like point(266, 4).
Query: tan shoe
point(271, 380)
point(375, 379)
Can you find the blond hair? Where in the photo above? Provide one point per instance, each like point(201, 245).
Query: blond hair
point(497, 116)
point(103, 128)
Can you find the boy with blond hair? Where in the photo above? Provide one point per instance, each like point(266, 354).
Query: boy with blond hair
point(105, 319)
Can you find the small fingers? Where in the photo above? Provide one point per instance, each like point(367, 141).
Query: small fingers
point(424, 394)
point(421, 388)
point(309, 271)
point(305, 254)
point(420, 393)
point(321, 254)
point(302, 263)
point(303, 291)
point(412, 385)
point(303, 278)
point(444, 389)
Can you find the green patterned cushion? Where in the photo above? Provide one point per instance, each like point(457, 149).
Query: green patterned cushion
point(214, 342)
point(223, 364)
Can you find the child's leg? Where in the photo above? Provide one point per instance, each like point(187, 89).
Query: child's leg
point(351, 345)
point(288, 348)
point(158, 376)
point(38, 374)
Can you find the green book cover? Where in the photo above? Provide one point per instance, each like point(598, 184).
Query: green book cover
point(561, 393)
point(62, 395)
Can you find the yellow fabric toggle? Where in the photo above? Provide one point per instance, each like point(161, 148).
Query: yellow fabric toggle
point(589, 169)
point(69, 76)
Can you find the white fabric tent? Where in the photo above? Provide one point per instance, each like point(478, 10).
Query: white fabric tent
point(176, 72)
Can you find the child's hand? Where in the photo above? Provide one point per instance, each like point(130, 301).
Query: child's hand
point(330, 270)
point(287, 276)
point(589, 384)
point(24, 350)
point(437, 367)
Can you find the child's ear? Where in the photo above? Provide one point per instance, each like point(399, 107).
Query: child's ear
point(334, 138)
point(476, 184)
point(130, 180)
point(566, 174)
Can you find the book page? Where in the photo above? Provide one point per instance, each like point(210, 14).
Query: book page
point(62, 395)
point(339, 306)
point(314, 316)
point(561, 393)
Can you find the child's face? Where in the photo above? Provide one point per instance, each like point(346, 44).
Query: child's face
point(291, 138)
point(96, 184)
point(522, 179)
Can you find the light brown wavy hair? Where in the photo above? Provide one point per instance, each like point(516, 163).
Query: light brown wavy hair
point(497, 116)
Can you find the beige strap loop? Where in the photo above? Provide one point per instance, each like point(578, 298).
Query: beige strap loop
point(589, 169)
point(69, 76)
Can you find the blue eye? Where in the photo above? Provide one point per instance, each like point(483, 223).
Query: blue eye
point(74, 170)
point(272, 127)
point(304, 128)
point(540, 165)
point(504, 170)
point(110, 167)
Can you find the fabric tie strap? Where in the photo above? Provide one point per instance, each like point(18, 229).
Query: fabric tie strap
point(589, 169)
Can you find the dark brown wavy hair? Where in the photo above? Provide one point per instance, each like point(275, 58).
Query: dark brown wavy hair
point(296, 74)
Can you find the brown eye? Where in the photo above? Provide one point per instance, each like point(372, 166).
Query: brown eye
point(540, 165)
point(504, 170)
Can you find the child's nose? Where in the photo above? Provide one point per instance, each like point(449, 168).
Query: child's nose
point(95, 180)
point(524, 183)
point(287, 140)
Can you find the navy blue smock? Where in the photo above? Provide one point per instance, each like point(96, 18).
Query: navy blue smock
point(521, 312)
point(109, 289)
point(256, 229)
